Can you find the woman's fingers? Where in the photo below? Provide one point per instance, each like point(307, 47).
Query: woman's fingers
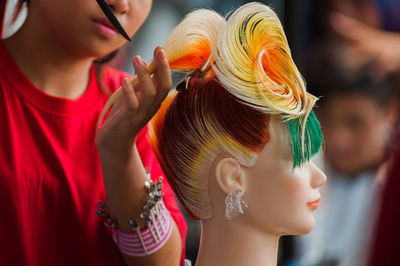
point(163, 75)
point(115, 108)
point(147, 88)
point(153, 90)
point(129, 95)
point(137, 105)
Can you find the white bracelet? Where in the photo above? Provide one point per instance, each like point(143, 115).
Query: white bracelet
point(148, 240)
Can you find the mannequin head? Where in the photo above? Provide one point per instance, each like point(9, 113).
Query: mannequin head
point(225, 145)
point(277, 195)
point(243, 123)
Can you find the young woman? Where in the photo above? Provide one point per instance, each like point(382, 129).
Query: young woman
point(51, 174)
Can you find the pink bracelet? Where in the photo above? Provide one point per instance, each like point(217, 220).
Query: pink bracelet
point(149, 240)
point(156, 217)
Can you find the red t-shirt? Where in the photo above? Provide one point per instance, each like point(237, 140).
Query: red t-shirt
point(50, 175)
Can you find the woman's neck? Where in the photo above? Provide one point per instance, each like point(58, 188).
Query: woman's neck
point(231, 243)
point(46, 64)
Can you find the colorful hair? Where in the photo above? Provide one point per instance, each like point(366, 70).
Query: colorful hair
point(253, 61)
point(227, 108)
point(193, 127)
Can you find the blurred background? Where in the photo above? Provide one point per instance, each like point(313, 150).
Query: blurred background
point(349, 53)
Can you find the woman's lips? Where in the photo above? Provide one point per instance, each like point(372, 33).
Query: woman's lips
point(314, 204)
point(105, 28)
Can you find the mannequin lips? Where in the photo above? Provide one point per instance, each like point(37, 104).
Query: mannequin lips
point(314, 204)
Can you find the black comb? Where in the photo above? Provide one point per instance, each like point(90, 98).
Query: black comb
point(110, 15)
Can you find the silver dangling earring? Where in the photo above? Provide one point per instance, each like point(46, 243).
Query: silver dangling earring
point(234, 204)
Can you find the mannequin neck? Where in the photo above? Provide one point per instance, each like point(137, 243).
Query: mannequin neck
point(233, 243)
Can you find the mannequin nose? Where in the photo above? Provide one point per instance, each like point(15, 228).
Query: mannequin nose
point(119, 6)
point(318, 178)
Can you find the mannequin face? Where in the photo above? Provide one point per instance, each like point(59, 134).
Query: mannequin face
point(278, 195)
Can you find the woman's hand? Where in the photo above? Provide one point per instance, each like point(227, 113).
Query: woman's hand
point(369, 44)
point(123, 172)
point(135, 107)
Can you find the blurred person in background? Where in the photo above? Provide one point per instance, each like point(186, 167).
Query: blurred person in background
point(354, 57)
point(367, 54)
point(357, 113)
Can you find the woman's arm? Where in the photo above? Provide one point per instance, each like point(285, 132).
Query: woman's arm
point(123, 172)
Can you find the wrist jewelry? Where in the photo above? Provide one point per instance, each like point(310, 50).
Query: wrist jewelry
point(156, 217)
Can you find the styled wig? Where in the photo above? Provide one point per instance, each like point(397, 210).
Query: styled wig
point(240, 74)
point(245, 78)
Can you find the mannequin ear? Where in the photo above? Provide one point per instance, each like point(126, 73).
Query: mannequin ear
point(229, 174)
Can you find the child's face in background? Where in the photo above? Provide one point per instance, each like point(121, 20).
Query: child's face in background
point(355, 131)
point(78, 26)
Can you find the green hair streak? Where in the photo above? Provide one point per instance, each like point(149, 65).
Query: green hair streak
point(312, 138)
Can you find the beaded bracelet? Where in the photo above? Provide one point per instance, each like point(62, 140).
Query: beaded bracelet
point(156, 217)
